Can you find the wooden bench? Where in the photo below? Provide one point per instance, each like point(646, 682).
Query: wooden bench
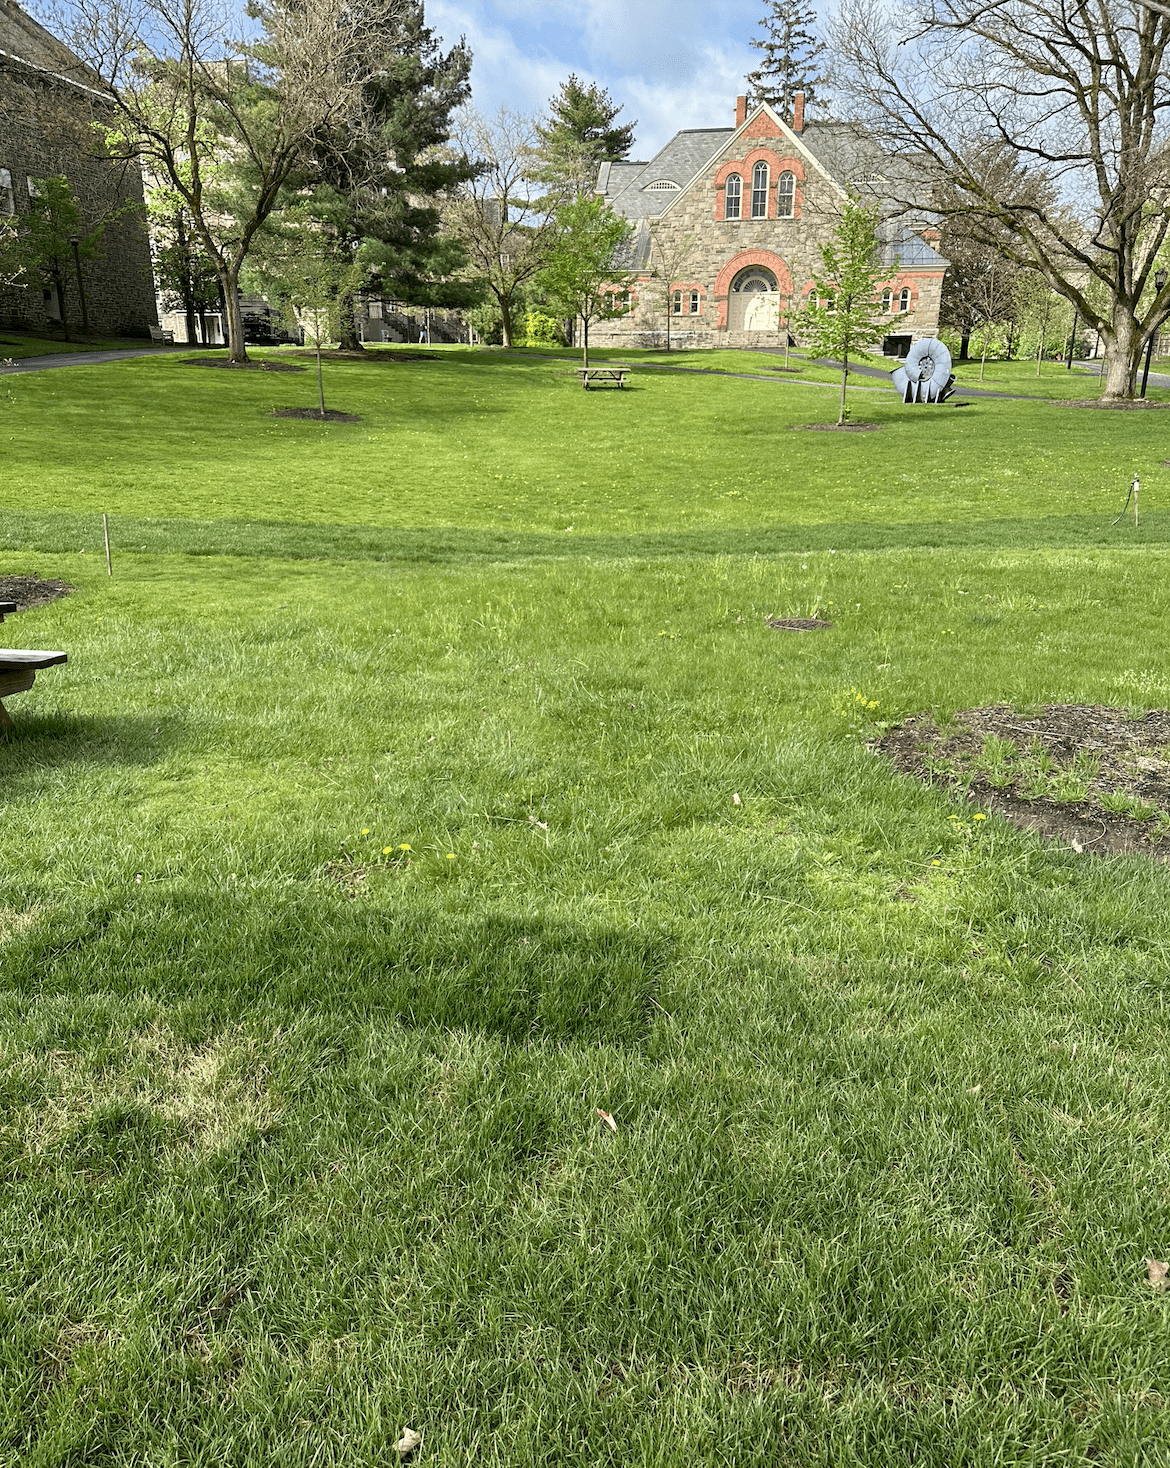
point(609, 375)
point(19, 668)
point(157, 334)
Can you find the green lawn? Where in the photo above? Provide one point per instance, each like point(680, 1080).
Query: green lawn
point(16, 345)
point(382, 829)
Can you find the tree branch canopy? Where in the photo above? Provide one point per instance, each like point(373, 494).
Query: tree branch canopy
point(1045, 126)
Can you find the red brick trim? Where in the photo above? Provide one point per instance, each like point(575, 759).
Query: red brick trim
point(743, 166)
point(767, 258)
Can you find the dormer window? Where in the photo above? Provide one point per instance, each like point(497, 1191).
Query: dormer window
point(786, 196)
point(760, 191)
point(732, 195)
point(663, 186)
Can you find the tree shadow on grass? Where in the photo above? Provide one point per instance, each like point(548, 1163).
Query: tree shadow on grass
point(515, 978)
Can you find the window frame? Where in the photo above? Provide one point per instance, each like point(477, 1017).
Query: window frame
point(676, 303)
point(786, 194)
point(888, 300)
point(7, 194)
point(904, 298)
point(696, 303)
point(731, 197)
point(760, 193)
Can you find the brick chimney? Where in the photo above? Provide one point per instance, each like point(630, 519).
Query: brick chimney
point(740, 111)
point(798, 112)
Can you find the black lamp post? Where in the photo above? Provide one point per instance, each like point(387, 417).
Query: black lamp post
point(1159, 281)
point(75, 241)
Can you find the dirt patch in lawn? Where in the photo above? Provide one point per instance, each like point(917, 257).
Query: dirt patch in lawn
point(1083, 773)
point(335, 354)
point(1124, 405)
point(799, 624)
point(840, 427)
point(330, 415)
point(225, 365)
point(32, 591)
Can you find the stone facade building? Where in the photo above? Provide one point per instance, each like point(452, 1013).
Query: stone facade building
point(49, 104)
point(729, 224)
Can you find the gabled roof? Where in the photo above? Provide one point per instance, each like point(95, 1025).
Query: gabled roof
point(629, 192)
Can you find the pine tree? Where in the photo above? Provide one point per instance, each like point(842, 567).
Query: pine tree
point(791, 56)
point(579, 136)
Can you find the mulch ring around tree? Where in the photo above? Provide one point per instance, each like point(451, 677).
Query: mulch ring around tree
point(1081, 773)
point(32, 591)
point(838, 427)
point(330, 415)
point(799, 624)
point(335, 354)
point(249, 366)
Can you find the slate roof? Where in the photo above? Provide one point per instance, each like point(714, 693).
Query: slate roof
point(625, 184)
point(22, 37)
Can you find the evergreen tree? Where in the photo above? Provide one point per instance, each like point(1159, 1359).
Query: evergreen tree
point(378, 186)
point(792, 55)
point(580, 134)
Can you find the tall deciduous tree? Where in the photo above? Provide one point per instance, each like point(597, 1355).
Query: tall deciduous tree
point(792, 58)
point(579, 135)
point(228, 125)
point(1077, 93)
point(587, 274)
point(851, 317)
point(379, 185)
point(500, 216)
point(182, 268)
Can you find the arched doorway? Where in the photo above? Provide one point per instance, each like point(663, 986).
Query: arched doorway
point(753, 303)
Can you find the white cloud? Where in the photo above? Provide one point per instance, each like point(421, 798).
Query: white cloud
point(669, 63)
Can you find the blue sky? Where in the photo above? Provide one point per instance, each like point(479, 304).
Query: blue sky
point(670, 63)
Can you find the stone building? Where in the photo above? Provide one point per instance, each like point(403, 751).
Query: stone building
point(49, 105)
point(729, 224)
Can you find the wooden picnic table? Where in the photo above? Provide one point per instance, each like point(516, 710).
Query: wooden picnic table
point(602, 374)
point(20, 666)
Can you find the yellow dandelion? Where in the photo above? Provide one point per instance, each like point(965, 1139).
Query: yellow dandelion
point(365, 830)
point(980, 816)
point(936, 863)
point(386, 850)
point(402, 846)
point(450, 856)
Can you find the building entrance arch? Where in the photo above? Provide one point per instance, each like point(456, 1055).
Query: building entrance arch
point(755, 288)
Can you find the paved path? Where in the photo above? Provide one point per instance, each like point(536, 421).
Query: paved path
point(80, 359)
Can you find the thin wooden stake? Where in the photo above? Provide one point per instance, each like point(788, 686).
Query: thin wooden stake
point(1135, 499)
point(106, 531)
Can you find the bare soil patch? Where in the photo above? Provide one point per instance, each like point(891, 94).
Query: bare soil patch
point(224, 365)
point(1082, 773)
point(335, 354)
point(839, 427)
point(32, 591)
point(1124, 405)
point(330, 415)
point(799, 624)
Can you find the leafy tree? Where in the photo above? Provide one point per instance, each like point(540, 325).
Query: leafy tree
point(792, 56)
point(39, 245)
point(378, 184)
point(851, 318)
point(184, 272)
point(580, 134)
point(499, 216)
point(231, 136)
point(587, 272)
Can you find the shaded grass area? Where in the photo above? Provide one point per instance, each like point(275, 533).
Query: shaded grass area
point(18, 345)
point(339, 896)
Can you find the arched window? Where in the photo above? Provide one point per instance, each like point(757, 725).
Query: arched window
point(695, 302)
point(732, 192)
point(887, 299)
point(904, 299)
point(676, 304)
point(760, 191)
point(786, 196)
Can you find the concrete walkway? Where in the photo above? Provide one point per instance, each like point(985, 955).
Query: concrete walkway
point(81, 359)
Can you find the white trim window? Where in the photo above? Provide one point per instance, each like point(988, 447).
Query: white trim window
point(760, 191)
point(732, 196)
point(7, 197)
point(695, 303)
point(904, 298)
point(786, 196)
point(676, 303)
point(887, 300)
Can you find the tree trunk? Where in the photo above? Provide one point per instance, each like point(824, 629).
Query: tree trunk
point(1123, 351)
point(844, 378)
point(348, 338)
point(505, 304)
point(57, 275)
point(983, 358)
point(965, 347)
point(585, 342)
point(229, 292)
point(669, 307)
point(320, 382)
point(203, 323)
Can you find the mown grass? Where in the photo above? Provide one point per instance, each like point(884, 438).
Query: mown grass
point(340, 894)
point(17, 345)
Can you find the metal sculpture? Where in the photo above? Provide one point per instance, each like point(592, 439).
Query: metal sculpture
point(925, 376)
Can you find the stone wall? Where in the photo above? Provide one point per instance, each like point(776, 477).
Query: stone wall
point(47, 127)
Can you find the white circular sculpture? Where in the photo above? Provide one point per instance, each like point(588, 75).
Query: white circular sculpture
point(925, 375)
